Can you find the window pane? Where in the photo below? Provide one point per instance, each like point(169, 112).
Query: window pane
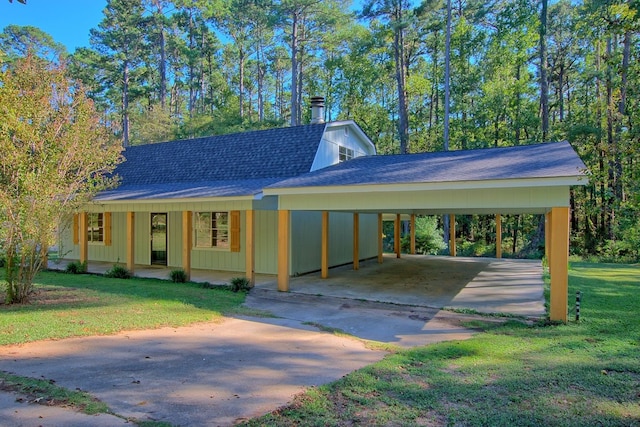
point(203, 238)
point(211, 229)
point(95, 227)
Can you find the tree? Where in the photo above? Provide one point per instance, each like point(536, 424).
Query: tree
point(119, 39)
point(17, 41)
point(55, 156)
point(399, 17)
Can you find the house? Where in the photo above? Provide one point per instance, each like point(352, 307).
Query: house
point(293, 200)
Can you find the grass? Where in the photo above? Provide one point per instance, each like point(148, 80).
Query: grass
point(46, 392)
point(67, 305)
point(578, 374)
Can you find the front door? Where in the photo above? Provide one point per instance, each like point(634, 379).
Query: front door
point(159, 238)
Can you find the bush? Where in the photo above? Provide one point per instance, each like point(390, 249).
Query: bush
point(178, 276)
point(118, 272)
point(240, 284)
point(76, 267)
point(428, 237)
point(476, 248)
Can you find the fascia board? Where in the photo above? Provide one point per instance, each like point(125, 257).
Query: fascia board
point(428, 186)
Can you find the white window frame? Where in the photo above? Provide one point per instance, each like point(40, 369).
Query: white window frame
point(344, 153)
point(211, 230)
point(95, 228)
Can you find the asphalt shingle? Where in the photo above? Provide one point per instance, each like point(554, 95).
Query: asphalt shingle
point(216, 166)
point(527, 161)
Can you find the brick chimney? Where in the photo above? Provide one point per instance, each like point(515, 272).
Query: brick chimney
point(317, 109)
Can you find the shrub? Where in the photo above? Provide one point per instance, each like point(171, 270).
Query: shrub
point(76, 267)
point(428, 237)
point(118, 272)
point(240, 284)
point(178, 276)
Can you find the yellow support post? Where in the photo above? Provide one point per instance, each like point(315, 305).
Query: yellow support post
point(83, 239)
point(131, 241)
point(498, 236)
point(249, 247)
point(187, 241)
point(283, 250)
point(325, 245)
point(558, 268)
point(412, 224)
point(396, 236)
point(452, 235)
point(356, 241)
point(380, 231)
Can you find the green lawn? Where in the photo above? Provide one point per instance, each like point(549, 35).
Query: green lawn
point(579, 374)
point(68, 305)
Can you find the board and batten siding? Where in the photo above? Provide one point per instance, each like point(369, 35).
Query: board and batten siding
point(332, 140)
point(306, 235)
point(266, 242)
point(96, 251)
point(266, 232)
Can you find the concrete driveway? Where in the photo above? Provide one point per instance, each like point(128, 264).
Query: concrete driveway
point(220, 373)
point(206, 375)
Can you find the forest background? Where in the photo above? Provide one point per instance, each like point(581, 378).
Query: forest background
point(430, 76)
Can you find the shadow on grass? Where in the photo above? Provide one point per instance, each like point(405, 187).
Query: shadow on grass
point(99, 287)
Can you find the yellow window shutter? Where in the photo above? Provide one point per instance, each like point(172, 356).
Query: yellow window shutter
point(107, 228)
point(76, 225)
point(235, 231)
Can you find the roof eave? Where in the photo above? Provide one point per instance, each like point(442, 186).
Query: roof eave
point(363, 136)
point(431, 186)
point(178, 200)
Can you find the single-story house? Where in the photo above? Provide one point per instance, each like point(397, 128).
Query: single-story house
point(293, 200)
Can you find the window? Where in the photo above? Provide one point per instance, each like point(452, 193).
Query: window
point(345, 154)
point(211, 230)
point(95, 227)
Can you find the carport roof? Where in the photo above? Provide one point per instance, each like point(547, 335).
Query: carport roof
point(537, 161)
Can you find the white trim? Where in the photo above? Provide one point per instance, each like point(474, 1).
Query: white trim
point(357, 131)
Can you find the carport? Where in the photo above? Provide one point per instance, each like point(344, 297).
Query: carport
point(534, 179)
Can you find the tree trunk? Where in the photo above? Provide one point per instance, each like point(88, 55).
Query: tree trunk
point(241, 58)
point(518, 107)
point(401, 79)
point(260, 76)
point(125, 103)
point(447, 77)
point(294, 70)
point(612, 181)
point(544, 84)
point(561, 93)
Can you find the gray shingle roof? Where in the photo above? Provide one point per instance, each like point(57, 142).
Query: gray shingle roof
point(548, 160)
point(216, 166)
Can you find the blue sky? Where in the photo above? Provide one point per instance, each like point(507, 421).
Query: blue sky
point(67, 21)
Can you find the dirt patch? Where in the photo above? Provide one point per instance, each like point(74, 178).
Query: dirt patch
point(52, 296)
